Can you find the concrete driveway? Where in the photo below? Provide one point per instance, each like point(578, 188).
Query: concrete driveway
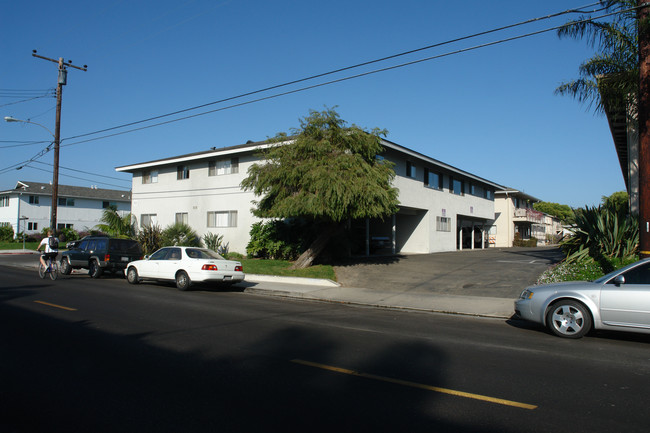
point(497, 272)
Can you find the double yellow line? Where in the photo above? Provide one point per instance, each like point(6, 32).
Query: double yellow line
point(418, 385)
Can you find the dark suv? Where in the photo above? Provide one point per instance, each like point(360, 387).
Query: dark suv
point(99, 254)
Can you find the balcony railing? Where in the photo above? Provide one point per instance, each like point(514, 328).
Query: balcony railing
point(529, 215)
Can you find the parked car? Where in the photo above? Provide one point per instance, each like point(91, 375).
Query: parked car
point(618, 301)
point(185, 265)
point(99, 254)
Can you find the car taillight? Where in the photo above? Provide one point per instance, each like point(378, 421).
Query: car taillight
point(239, 268)
point(209, 268)
point(107, 258)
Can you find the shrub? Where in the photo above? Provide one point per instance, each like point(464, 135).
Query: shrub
point(602, 233)
point(519, 242)
point(213, 241)
point(67, 235)
point(6, 233)
point(180, 234)
point(150, 238)
point(276, 239)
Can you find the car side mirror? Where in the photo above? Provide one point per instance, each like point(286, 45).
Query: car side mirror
point(147, 257)
point(620, 279)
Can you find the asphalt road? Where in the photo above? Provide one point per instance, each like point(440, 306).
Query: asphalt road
point(84, 355)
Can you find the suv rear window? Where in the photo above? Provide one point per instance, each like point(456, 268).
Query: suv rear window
point(124, 245)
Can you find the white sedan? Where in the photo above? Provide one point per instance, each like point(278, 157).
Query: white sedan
point(185, 265)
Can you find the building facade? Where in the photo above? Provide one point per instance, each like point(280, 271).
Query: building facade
point(442, 208)
point(28, 206)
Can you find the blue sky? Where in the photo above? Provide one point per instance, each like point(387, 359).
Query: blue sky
point(490, 111)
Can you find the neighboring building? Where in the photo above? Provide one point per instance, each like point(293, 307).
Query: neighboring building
point(514, 214)
point(78, 207)
point(441, 207)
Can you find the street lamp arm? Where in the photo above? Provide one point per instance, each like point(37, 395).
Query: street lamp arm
point(13, 119)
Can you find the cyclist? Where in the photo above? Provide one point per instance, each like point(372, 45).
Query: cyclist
point(51, 248)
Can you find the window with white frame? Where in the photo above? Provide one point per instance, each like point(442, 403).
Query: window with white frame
point(148, 219)
point(150, 176)
point(443, 224)
point(33, 199)
point(181, 218)
point(182, 172)
point(4, 201)
point(222, 218)
point(225, 166)
point(32, 226)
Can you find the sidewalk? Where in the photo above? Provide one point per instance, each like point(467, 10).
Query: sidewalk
point(330, 291)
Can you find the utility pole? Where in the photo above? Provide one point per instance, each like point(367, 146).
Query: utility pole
point(62, 81)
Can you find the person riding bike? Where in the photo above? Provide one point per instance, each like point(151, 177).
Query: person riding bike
point(51, 248)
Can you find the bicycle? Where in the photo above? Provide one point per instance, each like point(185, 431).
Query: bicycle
point(52, 268)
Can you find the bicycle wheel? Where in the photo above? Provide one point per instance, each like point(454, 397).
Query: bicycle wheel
point(54, 270)
point(41, 270)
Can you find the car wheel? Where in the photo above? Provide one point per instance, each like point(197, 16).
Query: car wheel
point(183, 281)
point(94, 270)
point(132, 275)
point(569, 319)
point(66, 268)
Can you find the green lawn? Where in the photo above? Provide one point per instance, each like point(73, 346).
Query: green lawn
point(281, 268)
point(18, 245)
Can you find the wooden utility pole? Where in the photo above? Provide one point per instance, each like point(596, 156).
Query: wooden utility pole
point(61, 81)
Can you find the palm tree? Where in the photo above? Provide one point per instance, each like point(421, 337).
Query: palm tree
point(115, 225)
point(609, 79)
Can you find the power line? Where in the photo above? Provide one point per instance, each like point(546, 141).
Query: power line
point(73, 177)
point(85, 172)
point(347, 68)
point(302, 89)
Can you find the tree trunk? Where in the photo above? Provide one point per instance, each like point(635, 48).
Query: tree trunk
point(307, 258)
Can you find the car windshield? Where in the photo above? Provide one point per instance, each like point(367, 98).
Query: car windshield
point(196, 253)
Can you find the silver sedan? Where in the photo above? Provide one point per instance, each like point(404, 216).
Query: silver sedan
point(618, 301)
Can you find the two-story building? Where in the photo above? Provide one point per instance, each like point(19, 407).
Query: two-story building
point(442, 208)
point(28, 206)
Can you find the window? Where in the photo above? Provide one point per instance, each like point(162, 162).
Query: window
point(4, 201)
point(222, 219)
point(432, 179)
point(148, 219)
point(150, 176)
point(32, 226)
point(62, 226)
point(107, 204)
point(457, 187)
point(410, 170)
point(181, 218)
point(33, 199)
point(182, 172)
point(228, 166)
point(66, 201)
point(443, 224)
point(488, 194)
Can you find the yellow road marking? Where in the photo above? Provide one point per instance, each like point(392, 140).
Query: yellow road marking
point(418, 385)
point(56, 306)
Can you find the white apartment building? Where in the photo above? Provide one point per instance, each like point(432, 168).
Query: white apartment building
point(28, 206)
point(442, 208)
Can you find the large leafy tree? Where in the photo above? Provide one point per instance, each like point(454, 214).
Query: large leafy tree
point(611, 77)
point(561, 211)
point(326, 172)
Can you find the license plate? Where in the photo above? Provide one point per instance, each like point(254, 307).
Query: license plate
point(125, 259)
